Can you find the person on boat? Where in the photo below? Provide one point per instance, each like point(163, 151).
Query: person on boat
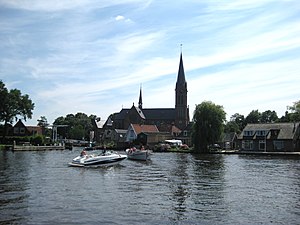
point(104, 151)
point(82, 153)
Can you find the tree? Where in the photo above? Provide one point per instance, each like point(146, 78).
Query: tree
point(295, 114)
point(43, 123)
point(239, 120)
point(253, 117)
point(269, 116)
point(78, 126)
point(232, 126)
point(208, 125)
point(13, 104)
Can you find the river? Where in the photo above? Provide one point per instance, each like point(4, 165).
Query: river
point(172, 188)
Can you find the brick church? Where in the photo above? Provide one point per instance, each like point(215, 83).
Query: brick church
point(174, 121)
point(163, 118)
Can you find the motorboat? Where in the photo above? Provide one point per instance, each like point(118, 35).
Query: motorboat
point(138, 154)
point(105, 158)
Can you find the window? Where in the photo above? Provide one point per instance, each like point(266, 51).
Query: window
point(278, 145)
point(22, 130)
point(247, 145)
point(262, 145)
point(16, 130)
point(261, 133)
point(185, 133)
point(248, 133)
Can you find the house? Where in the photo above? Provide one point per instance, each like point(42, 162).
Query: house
point(229, 141)
point(135, 129)
point(153, 138)
point(270, 137)
point(98, 129)
point(19, 129)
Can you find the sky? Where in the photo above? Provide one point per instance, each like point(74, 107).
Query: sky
point(93, 56)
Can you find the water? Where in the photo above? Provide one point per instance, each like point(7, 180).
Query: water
point(39, 188)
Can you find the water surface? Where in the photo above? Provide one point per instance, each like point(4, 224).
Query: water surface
point(172, 188)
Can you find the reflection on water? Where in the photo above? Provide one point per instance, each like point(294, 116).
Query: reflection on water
point(172, 188)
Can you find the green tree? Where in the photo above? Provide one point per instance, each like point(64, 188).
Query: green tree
point(78, 126)
point(43, 123)
point(295, 112)
point(232, 126)
point(13, 104)
point(208, 125)
point(269, 116)
point(239, 120)
point(253, 117)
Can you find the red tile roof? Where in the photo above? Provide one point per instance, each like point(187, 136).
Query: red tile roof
point(144, 128)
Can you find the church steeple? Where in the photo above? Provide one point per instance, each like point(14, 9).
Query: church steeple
point(181, 83)
point(140, 98)
point(181, 107)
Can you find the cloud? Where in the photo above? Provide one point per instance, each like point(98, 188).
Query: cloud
point(119, 18)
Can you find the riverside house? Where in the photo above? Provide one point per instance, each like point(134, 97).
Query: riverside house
point(270, 137)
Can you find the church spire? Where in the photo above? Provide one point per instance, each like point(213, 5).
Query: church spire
point(181, 83)
point(140, 98)
point(181, 107)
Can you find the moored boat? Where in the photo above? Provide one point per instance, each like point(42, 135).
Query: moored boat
point(138, 154)
point(106, 158)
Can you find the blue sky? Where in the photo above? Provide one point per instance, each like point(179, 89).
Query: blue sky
point(92, 56)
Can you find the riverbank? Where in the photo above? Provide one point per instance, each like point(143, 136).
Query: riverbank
point(239, 152)
point(32, 147)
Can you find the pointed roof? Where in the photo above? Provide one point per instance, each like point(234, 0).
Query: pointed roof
point(181, 82)
point(140, 99)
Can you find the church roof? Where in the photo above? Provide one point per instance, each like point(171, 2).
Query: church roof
point(159, 114)
point(150, 114)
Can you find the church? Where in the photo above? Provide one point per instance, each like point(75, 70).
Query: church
point(167, 120)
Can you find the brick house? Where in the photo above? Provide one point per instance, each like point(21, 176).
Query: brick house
point(270, 137)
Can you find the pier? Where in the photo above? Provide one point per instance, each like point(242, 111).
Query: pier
point(36, 148)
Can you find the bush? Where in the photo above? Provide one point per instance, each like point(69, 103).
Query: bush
point(37, 140)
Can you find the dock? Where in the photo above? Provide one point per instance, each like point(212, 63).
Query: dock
point(37, 148)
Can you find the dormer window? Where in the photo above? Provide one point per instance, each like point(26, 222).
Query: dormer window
point(261, 133)
point(248, 133)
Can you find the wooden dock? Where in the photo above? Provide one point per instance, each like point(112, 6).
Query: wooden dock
point(37, 148)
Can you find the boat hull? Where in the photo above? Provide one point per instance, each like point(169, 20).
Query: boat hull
point(142, 155)
point(97, 161)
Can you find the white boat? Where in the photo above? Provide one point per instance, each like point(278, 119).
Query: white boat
point(138, 154)
point(106, 158)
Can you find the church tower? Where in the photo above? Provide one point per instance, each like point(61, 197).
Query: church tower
point(181, 108)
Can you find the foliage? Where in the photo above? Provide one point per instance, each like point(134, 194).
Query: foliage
point(232, 126)
point(43, 123)
point(37, 140)
point(294, 116)
point(236, 124)
point(208, 125)
point(269, 117)
point(78, 126)
point(253, 117)
point(13, 104)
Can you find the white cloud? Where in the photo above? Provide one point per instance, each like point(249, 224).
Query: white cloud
point(119, 18)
